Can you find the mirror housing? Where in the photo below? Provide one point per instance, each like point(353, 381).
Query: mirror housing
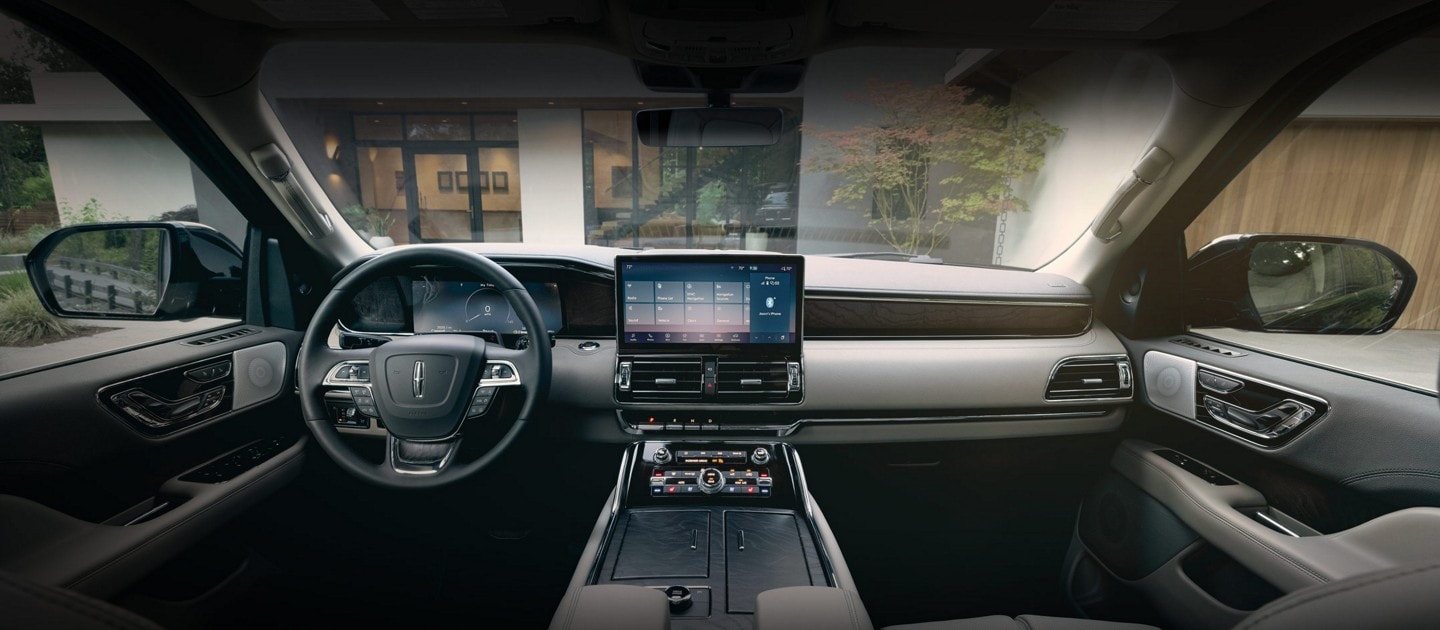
point(138, 270)
point(1297, 283)
point(710, 126)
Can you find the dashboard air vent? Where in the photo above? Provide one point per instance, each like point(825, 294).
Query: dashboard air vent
point(752, 380)
point(225, 336)
point(1220, 350)
point(666, 378)
point(1090, 378)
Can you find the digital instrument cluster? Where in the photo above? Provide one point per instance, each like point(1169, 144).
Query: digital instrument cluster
point(456, 306)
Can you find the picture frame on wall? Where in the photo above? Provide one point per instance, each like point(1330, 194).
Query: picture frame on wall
point(500, 182)
point(462, 182)
point(482, 182)
point(445, 180)
point(621, 186)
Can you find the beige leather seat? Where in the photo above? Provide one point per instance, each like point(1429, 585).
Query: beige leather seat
point(1403, 597)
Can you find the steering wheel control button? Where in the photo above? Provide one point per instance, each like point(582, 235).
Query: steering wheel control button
point(760, 456)
point(480, 403)
point(352, 372)
point(500, 371)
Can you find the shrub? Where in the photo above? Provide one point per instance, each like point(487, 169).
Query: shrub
point(25, 241)
point(12, 283)
point(23, 321)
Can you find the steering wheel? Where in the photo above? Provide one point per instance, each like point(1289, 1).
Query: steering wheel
point(423, 387)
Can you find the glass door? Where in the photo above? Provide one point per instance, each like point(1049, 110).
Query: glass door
point(444, 208)
point(497, 189)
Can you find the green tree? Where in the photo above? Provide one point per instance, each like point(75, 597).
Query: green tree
point(24, 176)
point(47, 54)
point(932, 158)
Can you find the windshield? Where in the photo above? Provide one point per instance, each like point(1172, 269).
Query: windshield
point(972, 157)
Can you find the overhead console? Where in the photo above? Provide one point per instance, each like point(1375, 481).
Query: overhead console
point(709, 329)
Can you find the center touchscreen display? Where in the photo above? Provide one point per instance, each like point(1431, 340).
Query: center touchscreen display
point(718, 300)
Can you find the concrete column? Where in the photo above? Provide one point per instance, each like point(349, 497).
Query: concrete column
point(552, 189)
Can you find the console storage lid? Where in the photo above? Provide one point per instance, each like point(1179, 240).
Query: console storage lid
point(810, 607)
point(613, 607)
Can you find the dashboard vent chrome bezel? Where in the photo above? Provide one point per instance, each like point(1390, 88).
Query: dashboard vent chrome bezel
point(735, 380)
point(663, 378)
point(1122, 389)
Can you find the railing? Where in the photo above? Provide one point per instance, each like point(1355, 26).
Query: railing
point(85, 285)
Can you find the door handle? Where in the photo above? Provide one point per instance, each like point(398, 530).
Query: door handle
point(1273, 421)
point(156, 411)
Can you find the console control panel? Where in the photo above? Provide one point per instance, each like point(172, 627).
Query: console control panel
point(669, 471)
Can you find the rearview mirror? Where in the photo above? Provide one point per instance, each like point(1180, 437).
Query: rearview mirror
point(137, 270)
point(709, 126)
point(1294, 283)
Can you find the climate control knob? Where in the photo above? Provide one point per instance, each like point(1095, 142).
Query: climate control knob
point(760, 456)
point(662, 455)
point(711, 480)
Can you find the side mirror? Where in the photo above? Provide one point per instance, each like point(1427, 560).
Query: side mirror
point(137, 270)
point(1295, 283)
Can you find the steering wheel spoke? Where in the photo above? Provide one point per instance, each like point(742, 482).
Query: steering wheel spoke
point(412, 458)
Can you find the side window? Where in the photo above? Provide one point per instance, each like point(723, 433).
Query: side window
point(74, 149)
point(1362, 162)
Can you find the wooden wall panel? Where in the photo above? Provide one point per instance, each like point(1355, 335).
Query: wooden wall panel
point(1375, 180)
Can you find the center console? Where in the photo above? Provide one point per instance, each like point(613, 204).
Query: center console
point(711, 525)
point(707, 343)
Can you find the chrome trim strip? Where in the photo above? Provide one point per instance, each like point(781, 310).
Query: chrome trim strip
point(1249, 436)
point(1250, 379)
point(1274, 524)
point(501, 382)
point(1118, 358)
point(1266, 436)
point(616, 502)
point(783, 430)
point(331, 381)
point(408, 469)
point(807, 506)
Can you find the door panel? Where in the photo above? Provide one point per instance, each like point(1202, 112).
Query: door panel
point(91, 495)
point(1271, 475)
point(1375, 438)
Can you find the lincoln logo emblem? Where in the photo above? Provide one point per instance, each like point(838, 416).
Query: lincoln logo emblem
point(417, 384)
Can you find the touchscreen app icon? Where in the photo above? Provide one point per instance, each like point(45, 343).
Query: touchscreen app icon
point(770, 302)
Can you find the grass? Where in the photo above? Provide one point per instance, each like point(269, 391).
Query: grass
point(14, 283)
point(23, 242)
point(23, 321)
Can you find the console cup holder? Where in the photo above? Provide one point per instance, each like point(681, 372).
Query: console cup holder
point(679, 597)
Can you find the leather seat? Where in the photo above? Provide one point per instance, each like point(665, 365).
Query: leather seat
point(1403, 597)
point(1023, 622)
point(28, 604)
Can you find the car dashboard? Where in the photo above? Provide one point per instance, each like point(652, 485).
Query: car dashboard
point(879, 351)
